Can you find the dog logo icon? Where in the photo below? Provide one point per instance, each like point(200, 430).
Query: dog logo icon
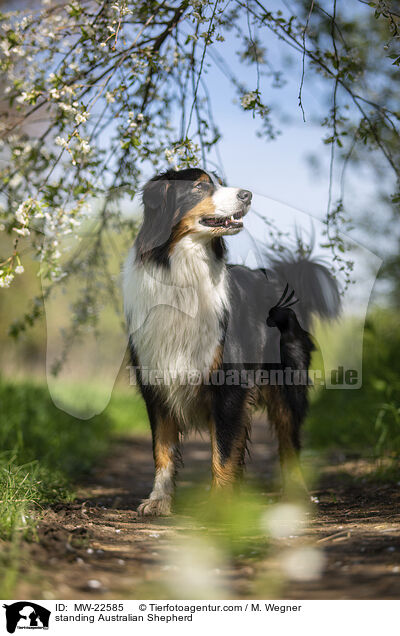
point(26, 615)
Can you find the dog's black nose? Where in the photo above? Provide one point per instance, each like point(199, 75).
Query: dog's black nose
point(245, 196)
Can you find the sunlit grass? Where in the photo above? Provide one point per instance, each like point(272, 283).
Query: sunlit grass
point(24, 489)
point(43, 449)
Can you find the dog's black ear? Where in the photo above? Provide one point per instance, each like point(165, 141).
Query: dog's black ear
point(159, 207)
point(155, 193)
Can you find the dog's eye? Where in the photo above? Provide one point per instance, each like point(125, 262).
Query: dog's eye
point(198, 186)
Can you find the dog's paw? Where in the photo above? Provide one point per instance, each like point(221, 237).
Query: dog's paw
point(157, 507)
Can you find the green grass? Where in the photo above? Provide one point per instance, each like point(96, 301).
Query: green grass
point(365, 419)
point(126, 409)
point(44, 450)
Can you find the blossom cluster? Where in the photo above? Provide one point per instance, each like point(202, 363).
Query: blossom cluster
point(101, 94)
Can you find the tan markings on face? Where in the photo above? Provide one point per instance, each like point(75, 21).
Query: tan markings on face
point(187, 224)
point(202, 208)
point(203, 177)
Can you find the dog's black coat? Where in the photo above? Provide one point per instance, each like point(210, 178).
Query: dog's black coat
point(257, 333)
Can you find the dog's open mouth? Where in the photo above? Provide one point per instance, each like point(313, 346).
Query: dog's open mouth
point(228, 222)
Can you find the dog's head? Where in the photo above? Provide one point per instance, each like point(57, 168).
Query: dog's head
point(189, 202)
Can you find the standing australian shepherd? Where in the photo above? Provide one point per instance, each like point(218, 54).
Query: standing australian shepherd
point(210, 341)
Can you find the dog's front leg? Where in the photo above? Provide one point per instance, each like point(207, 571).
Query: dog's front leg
point(165, 450)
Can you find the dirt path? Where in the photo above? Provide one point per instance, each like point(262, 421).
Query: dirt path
point(97, 547)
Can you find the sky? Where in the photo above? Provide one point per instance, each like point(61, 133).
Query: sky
point(278, 169)
point(286, 190)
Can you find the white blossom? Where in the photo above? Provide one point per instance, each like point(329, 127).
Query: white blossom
point(22, 231)
point(16, 180)
point(85, 147)
point(81, 118)
point(248, 99)
point(67, 108)
point(6, 280)
point(20, 214)
point(60, 141)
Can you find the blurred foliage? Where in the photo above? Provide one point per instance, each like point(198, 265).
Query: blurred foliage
point(100, 93)
point(365, 419)
point(34, 429)
point(231, 521)
point(44, 450)
point(234, 544)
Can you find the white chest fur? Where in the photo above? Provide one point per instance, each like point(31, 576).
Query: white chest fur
point(174, 315)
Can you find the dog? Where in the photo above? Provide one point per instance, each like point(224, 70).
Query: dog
point(210, 334)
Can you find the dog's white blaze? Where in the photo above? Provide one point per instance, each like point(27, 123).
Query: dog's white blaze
point(226, 201)
point(174, 316)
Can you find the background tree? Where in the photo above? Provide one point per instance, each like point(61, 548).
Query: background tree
point(99, 93)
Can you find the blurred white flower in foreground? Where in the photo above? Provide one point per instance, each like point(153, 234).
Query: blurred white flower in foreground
point(192, 570)
point(303, 564)
point(284, 520)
